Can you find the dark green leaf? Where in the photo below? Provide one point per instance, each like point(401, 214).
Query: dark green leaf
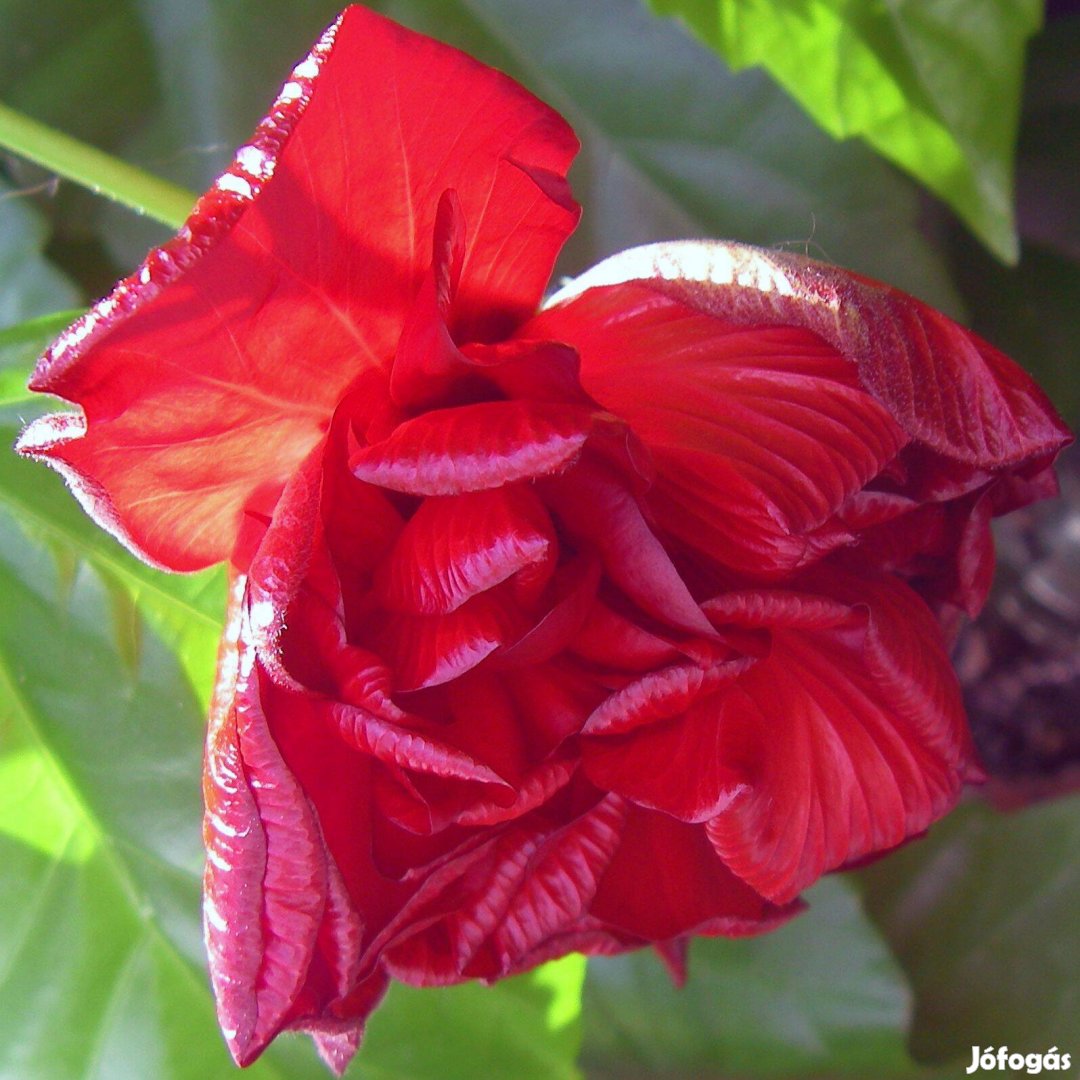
point(84, 68)
point(677, 146)
point(820, 995)
point(1030, 312)
point(982, 915)
point(933, 86)
point(29, 286)
point(1049, 151)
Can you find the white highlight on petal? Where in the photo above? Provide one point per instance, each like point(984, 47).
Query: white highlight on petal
point(254, 161)
point(236, 184)
point(714, 262)
point(213, 916)
point(306, 69)
point(262, 615)
point(220, 825)
point(219, 860)
point(291, 91)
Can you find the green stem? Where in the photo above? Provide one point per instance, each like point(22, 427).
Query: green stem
point(94, 169)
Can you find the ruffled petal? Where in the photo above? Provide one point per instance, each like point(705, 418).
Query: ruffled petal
point(849, 736)
point(475, 447)
point(530, 884)
point(430, 650)
point(265, 889)
point(455, 548)
point(596, 506)
point(207, 376)
point(944, 386)
point(758, 435)
point(665, 880)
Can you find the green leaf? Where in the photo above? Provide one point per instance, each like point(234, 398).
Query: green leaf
point(94, 169)
point(29, 285)
point(20, 347)
point(982, 915)
point(1049, 149)
point(99, 858)
point(1029, 311)
point(675, 146)
point(186, 610)
point(528, 1030)
point(820, 995)
point(933, 86)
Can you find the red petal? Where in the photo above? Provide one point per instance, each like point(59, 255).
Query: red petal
point(208, 375)
point(850, 736)
point(665, 880)
point(454, 548)
point(266, 872)
point(427, 359)
point(429, 650)
point(615, 642)
point(678, 766)
point(530, 370)
point(349, 691)
point(474, 447)
point(659, 695)
point(758, 435)
point(533, 886)
point(399, 746)
point(593, 504)
point(574, 591)
point(282, 556)
point(945, 386)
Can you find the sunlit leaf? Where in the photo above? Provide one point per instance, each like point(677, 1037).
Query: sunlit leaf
point(86, 165)
point(934, 87)
point(20, 346)
point(526, 1027)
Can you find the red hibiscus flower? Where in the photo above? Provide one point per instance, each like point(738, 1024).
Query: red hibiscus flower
point(581, 630)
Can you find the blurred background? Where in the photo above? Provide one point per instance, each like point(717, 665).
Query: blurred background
point(933, 144)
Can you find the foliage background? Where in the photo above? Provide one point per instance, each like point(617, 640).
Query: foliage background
point(967, 937)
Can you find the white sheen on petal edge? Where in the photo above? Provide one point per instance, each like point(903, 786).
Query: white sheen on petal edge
point(716, 262)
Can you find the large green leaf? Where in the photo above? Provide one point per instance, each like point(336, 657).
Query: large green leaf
point(821, 994)
point(933, 86)
point(983, 916)
point(185, 610)
point(527, 1027)
point(1049, 150)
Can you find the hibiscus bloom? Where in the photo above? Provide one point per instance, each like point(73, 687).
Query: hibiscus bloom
point(584, 629)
